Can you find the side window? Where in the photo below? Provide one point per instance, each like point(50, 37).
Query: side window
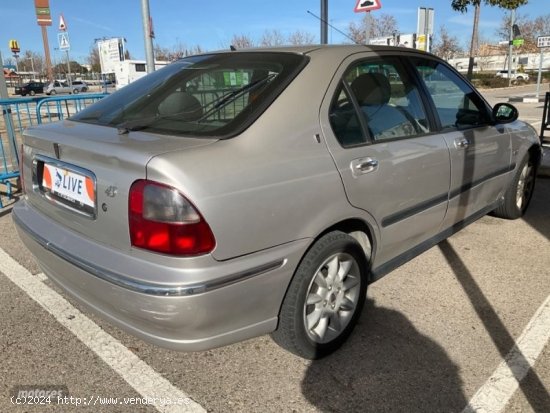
point(345, 121)
point(385, 98)
point(456, 103)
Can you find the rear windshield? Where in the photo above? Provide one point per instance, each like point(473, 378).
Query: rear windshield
point(209, 95)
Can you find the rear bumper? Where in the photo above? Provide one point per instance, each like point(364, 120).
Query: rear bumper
point(206, 304)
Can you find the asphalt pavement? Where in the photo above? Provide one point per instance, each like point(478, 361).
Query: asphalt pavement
point(467, 323)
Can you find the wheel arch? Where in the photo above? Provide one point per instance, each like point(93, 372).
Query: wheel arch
point(360, 230)
point(535, 155)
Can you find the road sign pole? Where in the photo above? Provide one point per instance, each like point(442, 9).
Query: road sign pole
point(68, 68)
point(511, 46)
point(540, 73)
point(149, 53)
point(3, 86)
point(324, 21)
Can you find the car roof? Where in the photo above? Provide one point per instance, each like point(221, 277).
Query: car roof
point(336, 50)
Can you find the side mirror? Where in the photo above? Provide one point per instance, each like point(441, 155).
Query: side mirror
point(505, 113)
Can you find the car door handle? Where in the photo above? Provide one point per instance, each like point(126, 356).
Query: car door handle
point(363, 166)
point(462, 143)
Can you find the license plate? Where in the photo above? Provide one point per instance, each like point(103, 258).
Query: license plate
point(75, 189)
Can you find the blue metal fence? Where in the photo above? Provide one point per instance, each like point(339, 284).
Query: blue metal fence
point(20, 113)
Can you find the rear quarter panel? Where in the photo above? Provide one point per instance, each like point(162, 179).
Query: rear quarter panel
point(274, 183)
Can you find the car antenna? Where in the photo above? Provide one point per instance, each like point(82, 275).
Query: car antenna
point(232, 48)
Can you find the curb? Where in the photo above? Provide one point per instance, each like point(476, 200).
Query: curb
point(526, 99)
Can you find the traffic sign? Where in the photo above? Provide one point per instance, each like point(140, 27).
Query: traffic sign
point(63, 41)
point(543, 41)
point(518, 42)
point(367, 5)
point(62, 25)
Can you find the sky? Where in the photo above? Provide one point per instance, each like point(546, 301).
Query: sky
point(212, 24)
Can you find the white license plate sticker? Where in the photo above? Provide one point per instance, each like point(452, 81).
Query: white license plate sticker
point(74, 187)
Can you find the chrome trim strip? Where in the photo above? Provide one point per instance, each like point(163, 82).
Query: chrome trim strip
point(145, 287)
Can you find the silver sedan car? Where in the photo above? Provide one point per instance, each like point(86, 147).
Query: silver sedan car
point(238, 193)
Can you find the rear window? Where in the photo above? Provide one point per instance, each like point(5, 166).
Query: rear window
point(216, 95)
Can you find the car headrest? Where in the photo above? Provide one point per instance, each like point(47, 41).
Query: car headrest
point(371, 89)
point(182, 104)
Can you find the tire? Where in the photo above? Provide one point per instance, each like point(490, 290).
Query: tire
point(518, 195)
point(53, 92)
point(324, 299)
point(75, 91)
point(32, 93)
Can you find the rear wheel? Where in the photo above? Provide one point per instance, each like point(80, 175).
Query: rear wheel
point(32, 93)
point(324, 299)
point(519, 193)
point(75, 91)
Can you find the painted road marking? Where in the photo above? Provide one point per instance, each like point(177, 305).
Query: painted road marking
point(138, 374)
point(495, 393)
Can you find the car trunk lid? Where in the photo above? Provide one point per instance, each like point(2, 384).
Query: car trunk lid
point(79, 174)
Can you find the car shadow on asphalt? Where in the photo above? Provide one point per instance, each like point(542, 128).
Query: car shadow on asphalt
point(531, 385)
point(538, 213)
point(387, 365)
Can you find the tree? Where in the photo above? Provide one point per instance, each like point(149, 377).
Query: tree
point(272, 38)
point(162, 53)
point(31, 62)
point(299, 38)
point(462, 6)
point(242, 41)
point(445, 45)
point(93, 59)
point(76, 68)
point(385, 25)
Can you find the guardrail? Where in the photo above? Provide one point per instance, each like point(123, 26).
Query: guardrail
point(21, 113)
point(545, 118)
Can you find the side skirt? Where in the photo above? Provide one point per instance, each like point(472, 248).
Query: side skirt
point(386, 268)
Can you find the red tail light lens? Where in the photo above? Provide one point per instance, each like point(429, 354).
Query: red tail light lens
point(161, 219)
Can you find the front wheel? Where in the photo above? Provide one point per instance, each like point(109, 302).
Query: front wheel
point(75, 91)
point(32, 93)
point(324, 299)
point(53, 92)
point(519, 193)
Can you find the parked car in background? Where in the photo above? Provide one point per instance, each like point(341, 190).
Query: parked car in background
point(57, 86)
point(234, 194)
point(79, 86)
point(516, 76)
point(31, 88)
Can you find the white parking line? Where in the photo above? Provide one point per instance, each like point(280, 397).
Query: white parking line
point(138, 374)
point(495, 393)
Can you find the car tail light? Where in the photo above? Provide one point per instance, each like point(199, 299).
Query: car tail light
point(161, 219)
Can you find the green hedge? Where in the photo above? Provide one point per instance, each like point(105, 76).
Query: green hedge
point(489, 80)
